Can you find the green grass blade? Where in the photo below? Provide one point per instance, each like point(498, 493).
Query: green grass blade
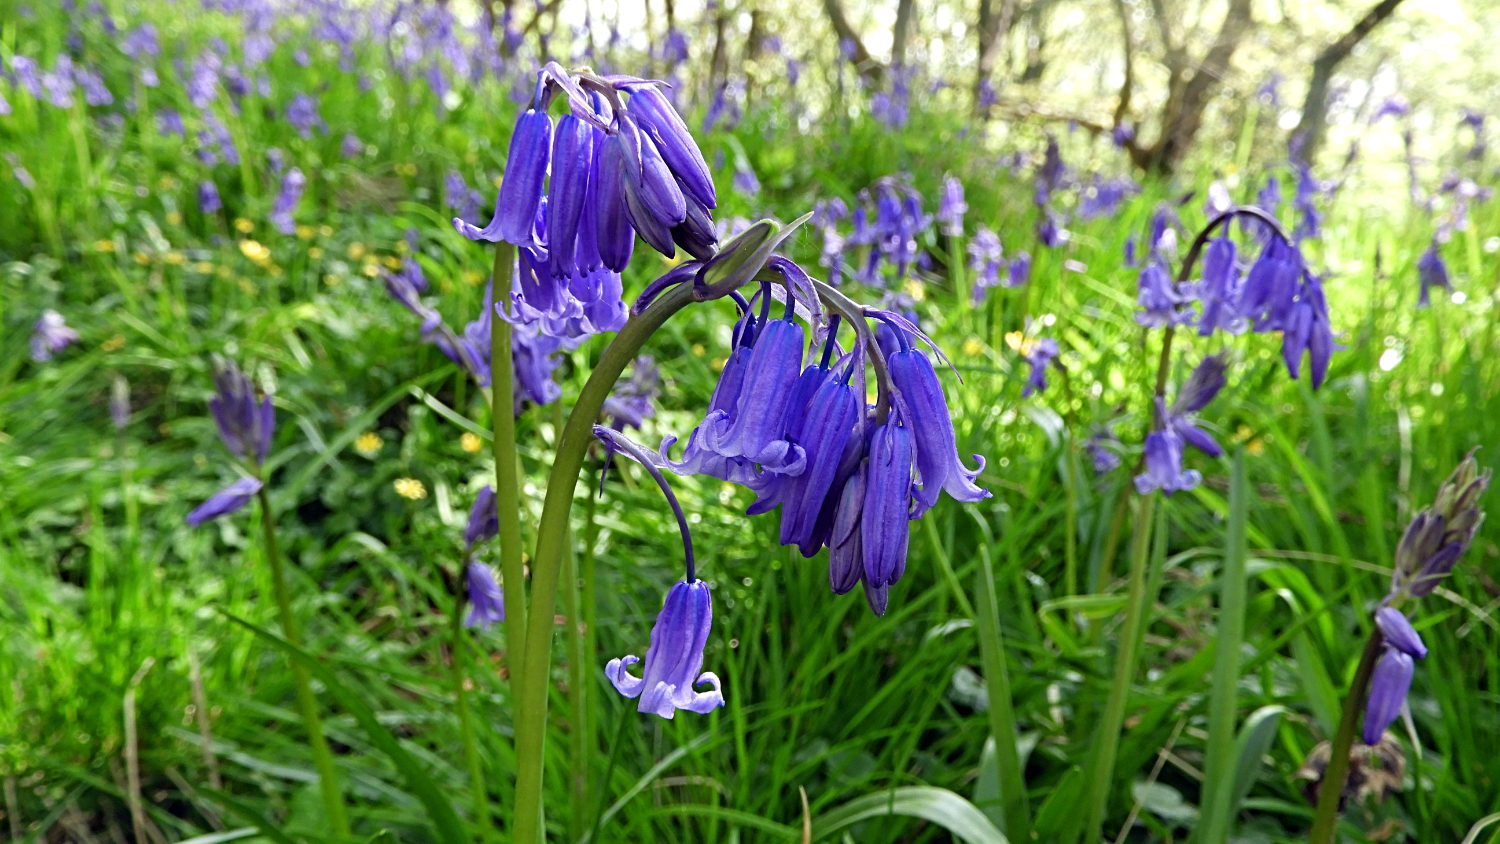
point(247, 812)
point(444, 819)
point(1250, 748)
point(937, 805)
point(1014, 810)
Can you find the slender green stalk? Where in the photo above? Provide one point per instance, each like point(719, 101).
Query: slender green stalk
point(1107, 742)
point(578, 749)
point(1070, 524)
point(1014, 809)
point(1325, 822)
point(1223, 701)
point(588, 725)
point(333, 801)
point(507, 482)
point(460, 661)
point(956, 272)
point(552, 539)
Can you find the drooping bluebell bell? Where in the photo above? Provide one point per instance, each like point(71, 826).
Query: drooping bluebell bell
point(26, 74)
point(1432, 272)
point(521, 187)
point(674, 663)
point(1131, 246)
point(1219, 289)
point(291, 193)
point(276, 161)
point(1018, 271)
point(1159, 299)
point(885, 522)
point(846, 557)
point(952, 207)
point(1388, 687)
point(225, 501)
point(654, 203)
point(1270, 288)
point(1306, 329)
point(1164, 465)
point(670, 135)
point(572, 165)
point(1102, 198)
point(1101, 456)
point(1049, 229)
point(1041, 353)
point(755, 429)
point(245, 424)
point(1397, 631)
point(1201, 388)
point(50, 335)
point(58, 83)
point(351, 146)
point(697, 456)
point(203, 84)
point(938, 463)
point(486, 599)
point(1051, 174)
point(209, 202)
point(484, 519)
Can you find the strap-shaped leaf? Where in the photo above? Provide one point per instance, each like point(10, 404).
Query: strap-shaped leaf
point(937, 805)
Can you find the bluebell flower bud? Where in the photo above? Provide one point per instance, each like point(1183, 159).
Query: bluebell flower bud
point(1042, 352)
point(616, 236)
point(696, 234)
point(1306, 329)
point(675, 658)
point(846, 558)
point(1398, 632)
point(1439, 536)
point(50, 335)
point(245, 425)
point(1202, 386)
point(1271, 285)
point(486, 600)
point(1432, 272)
point(225, 501)
point(952, 207)
point(572, 163)
point(670, 134)
point(521, 188)
point(931, 426)
point(885, 523)
point(647, 177)
point(484, 519)
point(1388, 687)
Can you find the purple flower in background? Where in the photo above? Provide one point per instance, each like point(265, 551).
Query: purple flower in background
point(1310, 220)
point(986, 258)
point(141, 42)
point(95, 92)
point(1101, 457)
point(745, 182)
point(26, 75)
point(1219, 200)
point(1164, 465)
point(674, 662)
point(1019, 270)
point(208, 198)
point(1432, 272)
point(351, 146)
point(1269, 197)
point(276, 161)
point(484, 519)
point(1122, 134)
point(245, 425)
point(1396, 106)
point(674, 50)
point(291, 193)
point(169, 122)
point(1219, 290)
point(1159, 298)
point(630, 404)
point(119, 401)
point(1269, 91)
point(486, 600)
point(203, 84)
point(1049, 229)
point(214, 140)
point(59, 83)
point(458, 196)
point(50, 335)
point(1041, 353)
point(302, 113)
point(1102, 198)
point(1052, 173)
point(952, 207)
point(225, 501)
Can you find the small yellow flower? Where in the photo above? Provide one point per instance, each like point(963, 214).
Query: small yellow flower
point(370, 268)
point(473, 277)
point(470, 443)
point(325, 231)
point(1255, 447)
point(174, 218)
point(113, 344)
point(331, 280)
point(305, 232)
point(915, 289)
point(391, 262)
point(497, 181)
point(243, 226)
point(174, 258)
point(402, 247)
point(973, 346)
point(142, 258)
point(717, 364)
point(699, 350)
point(104, 245)
point(255, 251)
point(368, 444)
point(204, 267)
point(315, 252)
point(356, 251)
point(246, 287)
point(410, 488)
point(1020, 342)
point(166, 182)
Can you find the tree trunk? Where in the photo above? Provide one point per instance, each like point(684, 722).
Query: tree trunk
point(906, 12)
point(994, 30)
point(870, 69)
point(1036, 61)
point(718, 65)
point(1315, 108)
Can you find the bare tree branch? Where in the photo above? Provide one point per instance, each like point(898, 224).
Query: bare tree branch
point(1315, 107)
point(872, 70)
point(993, 30)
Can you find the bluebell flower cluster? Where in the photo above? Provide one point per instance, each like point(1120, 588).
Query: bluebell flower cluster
point(1434, 542)
point(1175, 428)
point(889, 225)
point(246, 424)
point(1040, 353)
point(987, 260)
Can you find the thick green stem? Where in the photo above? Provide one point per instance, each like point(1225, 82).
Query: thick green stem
point(507, 482)
point(1325, 822)
point(465, 722)
point(333, 801)
point(1107, 742)
point(1223, 702)
point(552, 540)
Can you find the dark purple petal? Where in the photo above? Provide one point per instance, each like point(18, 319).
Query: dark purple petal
point(1202, 386)
point(846, 559)
point(1398, 632)
point(938, 462)
point(886, 522)
point(572, 161)
point(756, 429)
point(649, 177)
point(678, 149)
point(225, 501)
point(615, 234)
point(1164, 465)
point(675, 659)
point(521, 188)
point(486, 600)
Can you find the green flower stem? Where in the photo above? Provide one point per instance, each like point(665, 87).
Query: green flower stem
point(552, 539)
point(1013, 803)
point(1102, 762)
point(1325, 821)
point(578, 673)
point(333, 801)
point(1223, 701)
point(507, 483)
point(465, 722)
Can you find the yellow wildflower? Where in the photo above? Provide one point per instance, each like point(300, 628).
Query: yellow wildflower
point(470, 443)
point(410, 488)
point(368, 444)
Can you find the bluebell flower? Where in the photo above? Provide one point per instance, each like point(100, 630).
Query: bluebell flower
point(1270, 288)
point(203, 84)
point(27, 75)
point(1122, 134)
point(50, 335)
point(1310, 219)
point(302, 114)
point(885, 522)
point(1131, 259)
point(486, 600)
point(1102, 197)
point(670, 135)
point(95, 92)
point(1398, 633)
point(1437, 537)
point(573, 145)
point(225, 501)
point(1018, 271)
point(484, 519)
point(755, 429)
point(674, 662)
point(630, 403)
point(520, 191)
point(1049, 229)
point(1041, 353)
point(1219, 202)
point(208, 198)
point(1164, 465)
point(927, 415)
point(1201, 388)
point(952, 207)
point(1388, 687)
point(351, 146)
point(286, 201)
point(1432, 272)
point(1269, 197)
point(458, 196)
point(1051, 174)
point(1160, 301)
point(245, 424)
point(1306, 329)
point(1394, 106)
point(986, 259)
point(1103, 459)
point(1219, 290)
point(745, 182)
point(846, 557)
point(59, 83)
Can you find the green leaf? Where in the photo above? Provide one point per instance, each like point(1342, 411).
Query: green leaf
point(248, 813)
point(937, 805)
point(221, 837)
point(1250, 747)
point(1060, 808)
point(733, 816)
point(439, 810)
